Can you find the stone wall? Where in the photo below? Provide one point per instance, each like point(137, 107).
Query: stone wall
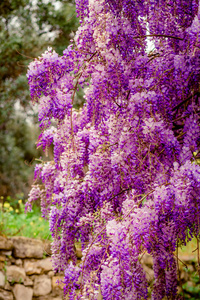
point(26, 271)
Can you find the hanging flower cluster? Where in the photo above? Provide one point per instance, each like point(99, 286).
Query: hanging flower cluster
point(125, 177)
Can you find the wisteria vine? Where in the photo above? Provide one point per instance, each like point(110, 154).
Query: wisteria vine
point(125, 177)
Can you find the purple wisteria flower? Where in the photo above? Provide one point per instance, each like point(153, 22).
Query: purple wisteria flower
point(125, 175)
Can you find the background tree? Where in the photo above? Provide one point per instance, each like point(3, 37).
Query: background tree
point(26, 29)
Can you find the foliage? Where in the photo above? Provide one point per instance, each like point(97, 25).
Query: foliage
point(17, 153)
point(191, 289)
point(125, 177)
point(13, 221)
point(26, 28)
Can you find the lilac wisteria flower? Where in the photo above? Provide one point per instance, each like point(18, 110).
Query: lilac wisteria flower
point(125, 176)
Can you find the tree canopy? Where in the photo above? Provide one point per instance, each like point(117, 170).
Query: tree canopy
point(26, 29)
point(125, 176)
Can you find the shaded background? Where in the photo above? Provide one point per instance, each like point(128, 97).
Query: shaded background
point(27, 28)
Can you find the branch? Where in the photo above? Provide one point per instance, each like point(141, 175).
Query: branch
point(185, 100)
point(92, 56)
point(198, 258)
point(158, 35)
point(181, 261)
point(119, 193)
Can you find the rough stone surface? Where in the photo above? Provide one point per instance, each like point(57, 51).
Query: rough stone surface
point(31, 267)
point(42, 286)
point(6, 252)
point(39, 281)
point(2, 257)
point(27, 248)
point(2, 263)
point(78, 250)
point(188, 258)
point(147, 260)
point(2, 279)
point(149, 273)
point(45, 264)
point(22, 293)
point(18, 262)
point(28, 281)
point(57, 282)
point(5, 295)
point(49, 298)
point(15, 274)
point(50, 273)
point(47, 248)
point(38, 266)
point(7, 286)
point(5, 244)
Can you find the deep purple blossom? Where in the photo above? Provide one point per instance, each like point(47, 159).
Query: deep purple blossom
point(125, 177)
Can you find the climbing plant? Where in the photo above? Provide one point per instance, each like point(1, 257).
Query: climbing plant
point(125, 177)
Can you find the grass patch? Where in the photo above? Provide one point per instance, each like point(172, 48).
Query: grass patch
point(14, 221)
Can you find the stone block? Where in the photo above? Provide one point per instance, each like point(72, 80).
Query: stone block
point(5, 244)
point(22, 293)
point(2, 257)
point(27, 248)
point(2, 265)
point(5, 295)
point(49, 297)
point(6, 252)
point(18, 262)
point(51, 273)
point(147, 260)
point(45, 264)
point(7, 286)
point(149, 273)
point(28, 281)
point(15, 274)
point(47, 248)
point(78, 250)
point(57, 282)
point(42, 286)
point(31, 267)
point(2, 279)
point(38, 266)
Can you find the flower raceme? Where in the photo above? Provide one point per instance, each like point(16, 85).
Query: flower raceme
point(125, 177)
